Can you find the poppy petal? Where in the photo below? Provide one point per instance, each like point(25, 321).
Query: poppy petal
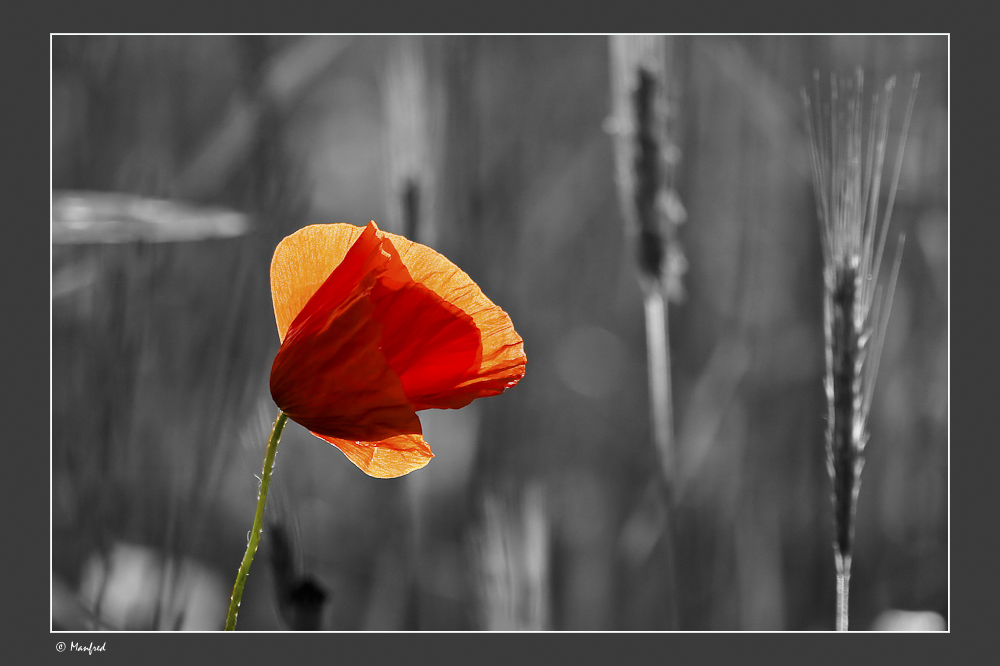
point(388, 458)
point(430, 344)
point(304, 263)
point(304, 260)
point(503, 361)
point(374, 327)
point(331, 377)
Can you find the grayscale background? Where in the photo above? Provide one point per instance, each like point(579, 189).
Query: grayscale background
point(542, 509)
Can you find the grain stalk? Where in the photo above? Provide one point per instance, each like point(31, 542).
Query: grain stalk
point(848, 154)
point(410, 178)
point(645, 160)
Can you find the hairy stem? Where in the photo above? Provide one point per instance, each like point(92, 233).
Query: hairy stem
point(258, 521)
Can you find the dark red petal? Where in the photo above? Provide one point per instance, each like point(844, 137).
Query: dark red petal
point(331, 376)
point(429, 343)
point(503, 360)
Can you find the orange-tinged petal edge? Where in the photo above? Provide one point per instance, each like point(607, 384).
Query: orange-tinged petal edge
point(387, 459)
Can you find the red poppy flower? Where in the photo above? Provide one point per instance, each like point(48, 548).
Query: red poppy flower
point(375, 327)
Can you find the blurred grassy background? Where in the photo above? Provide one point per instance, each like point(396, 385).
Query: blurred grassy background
point(542, 509)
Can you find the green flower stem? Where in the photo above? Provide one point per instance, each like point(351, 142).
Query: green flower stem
point(258, 521)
